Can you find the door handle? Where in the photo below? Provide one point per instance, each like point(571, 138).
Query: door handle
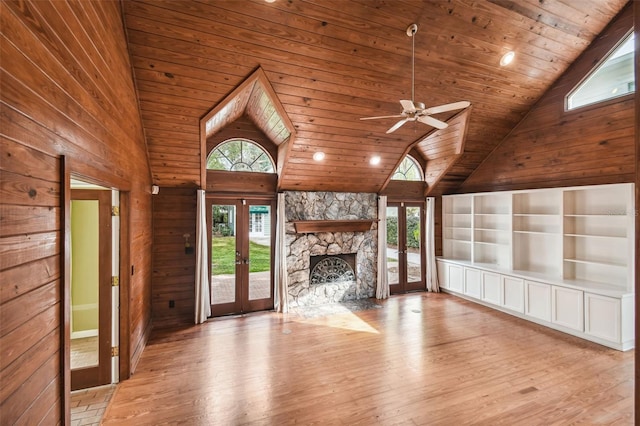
point(245, 261)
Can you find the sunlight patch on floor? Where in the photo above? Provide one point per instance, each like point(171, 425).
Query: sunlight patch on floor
point(341, 316)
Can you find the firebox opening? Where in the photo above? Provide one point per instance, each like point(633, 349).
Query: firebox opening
point(332, 268)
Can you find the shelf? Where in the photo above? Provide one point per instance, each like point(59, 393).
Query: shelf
point(601, 216)
point(537, 232)
point(455, 240)
point(537, 215)
point(620, 237)
point(466, 228)
point(491, 214)
point(311, 226)
point(488, 243)
point(593, 262)
point(491, 229)
point(458, 214)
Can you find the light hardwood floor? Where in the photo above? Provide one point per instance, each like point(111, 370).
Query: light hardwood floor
point(422, 358)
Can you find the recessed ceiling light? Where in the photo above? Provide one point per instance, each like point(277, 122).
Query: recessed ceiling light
point(318, 155)
point(375, 160)
point(507, 58)
point(270, 1)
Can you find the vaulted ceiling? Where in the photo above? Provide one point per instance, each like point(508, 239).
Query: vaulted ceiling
point(328, 63)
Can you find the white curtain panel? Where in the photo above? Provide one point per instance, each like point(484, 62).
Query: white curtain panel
point(382, 287)
point(430, 247)
point(203, 301)
point(281, 300)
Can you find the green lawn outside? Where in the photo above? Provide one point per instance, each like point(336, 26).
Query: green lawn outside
point(223, 256)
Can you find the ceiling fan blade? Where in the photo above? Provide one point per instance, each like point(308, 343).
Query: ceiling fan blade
point(447, 107)
point(433, 122)
point(397, 126)
point(408, 106)
point(382, 116)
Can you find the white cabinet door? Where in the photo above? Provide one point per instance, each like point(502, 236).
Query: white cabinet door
point(442, 275)
point(513, 293)
point(455, 277)
point(472, 279)
point(491, 288)
point(537, 300)
point(602, 317)
point(567, 307)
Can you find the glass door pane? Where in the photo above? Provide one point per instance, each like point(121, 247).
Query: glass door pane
point(259, 251)
point(413, 243)
point(224, 253)
point(393, 265)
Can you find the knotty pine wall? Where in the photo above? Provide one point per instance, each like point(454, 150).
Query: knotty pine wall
point(174, 214)
point(66, 90)
point(554, 148)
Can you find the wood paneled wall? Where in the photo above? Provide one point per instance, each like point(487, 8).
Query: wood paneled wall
point(174, 214)
point(553, 148)
point(66, 90)
point(30, 285)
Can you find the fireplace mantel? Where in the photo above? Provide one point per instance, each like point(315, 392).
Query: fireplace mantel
point(312, 226)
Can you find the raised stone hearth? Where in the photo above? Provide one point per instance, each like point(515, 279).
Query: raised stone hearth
point(300, 247)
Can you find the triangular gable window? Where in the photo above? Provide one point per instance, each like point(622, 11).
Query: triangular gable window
point(612, 78)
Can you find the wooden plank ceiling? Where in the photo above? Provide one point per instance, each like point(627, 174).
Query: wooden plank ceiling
point(331, 62)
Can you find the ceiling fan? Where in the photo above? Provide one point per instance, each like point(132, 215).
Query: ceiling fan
point(416, 111)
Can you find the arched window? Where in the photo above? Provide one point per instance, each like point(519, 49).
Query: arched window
point(240, 155)
point(409, 169)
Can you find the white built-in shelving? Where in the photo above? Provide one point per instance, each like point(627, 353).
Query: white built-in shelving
point(563, 257)
point(598, 235)
point(492, 229)
point(457, 227)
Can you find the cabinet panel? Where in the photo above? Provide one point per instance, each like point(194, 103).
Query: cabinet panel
point(472, 279)
point(455, 277)
point(602, 317)
point(513, 293)
point(538, 300)
point(491, 288)
point(443, 282)
point(567, 307)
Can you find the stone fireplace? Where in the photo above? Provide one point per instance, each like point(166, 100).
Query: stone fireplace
point(344, 261)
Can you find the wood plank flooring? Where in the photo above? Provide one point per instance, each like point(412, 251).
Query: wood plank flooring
point(421, 358)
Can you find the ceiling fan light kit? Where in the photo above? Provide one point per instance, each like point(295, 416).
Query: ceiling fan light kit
point(416, 111)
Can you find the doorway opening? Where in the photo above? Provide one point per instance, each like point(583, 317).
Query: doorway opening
point(94, 263)
point(241, 234)
point(405, 251)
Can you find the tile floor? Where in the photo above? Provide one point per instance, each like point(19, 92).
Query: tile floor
point(88, 405)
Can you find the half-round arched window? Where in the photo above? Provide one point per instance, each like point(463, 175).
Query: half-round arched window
point(240, 155)
point(409, 169)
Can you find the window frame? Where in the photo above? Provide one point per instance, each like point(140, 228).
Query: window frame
point(592, 72)
point(242, 141)
point(416, 164)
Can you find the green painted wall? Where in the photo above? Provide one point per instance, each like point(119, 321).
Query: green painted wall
point(84, 264)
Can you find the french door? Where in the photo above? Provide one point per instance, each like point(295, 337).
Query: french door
point(241, 233)
point(405, 253)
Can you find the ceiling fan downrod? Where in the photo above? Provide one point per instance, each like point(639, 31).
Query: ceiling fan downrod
point(411, 31)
